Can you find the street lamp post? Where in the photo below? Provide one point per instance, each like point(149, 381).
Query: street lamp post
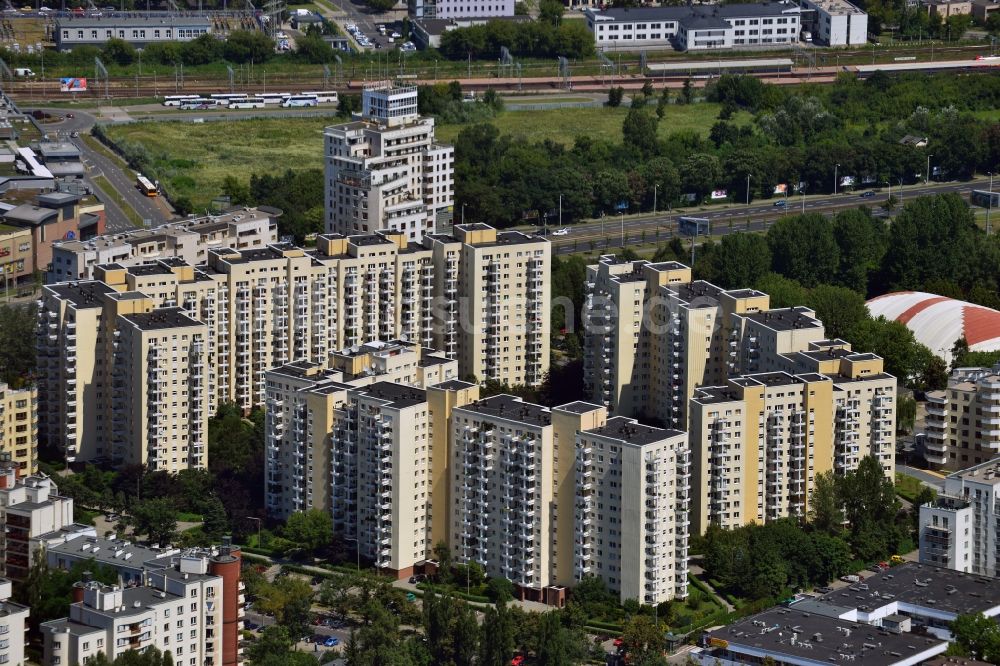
point(623, 230)
point(989, 205)
point(258, 529)
point(654, 199)
point(835, 168)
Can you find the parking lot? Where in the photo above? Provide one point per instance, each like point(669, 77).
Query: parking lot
point(371, 34)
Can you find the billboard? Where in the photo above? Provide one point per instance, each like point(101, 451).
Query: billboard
point(72, 85)
point(781, 188)
point(719, 194)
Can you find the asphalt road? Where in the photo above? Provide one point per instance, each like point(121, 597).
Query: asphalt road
point(97, 163)
point(935, 482)
point(663, 226)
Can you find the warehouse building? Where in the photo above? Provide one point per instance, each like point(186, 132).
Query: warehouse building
point(138, 31)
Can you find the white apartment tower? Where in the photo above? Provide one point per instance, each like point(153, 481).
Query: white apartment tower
point(959, 529)
point(385, 171)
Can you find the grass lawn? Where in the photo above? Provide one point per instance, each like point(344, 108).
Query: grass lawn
point(907, 487)
point(194, 158)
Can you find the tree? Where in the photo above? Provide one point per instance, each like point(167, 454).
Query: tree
point(803, 248)
point(978, 636)
point(313, 529)
point(701, 173)
point(935, 374)
point(380, 5)
point(289, 600)
point(118, 51)
point(906, 413)
point(243, 46)
point(49, 591)
point(551, 649)
point(825, 512)
point(741, 260)
point(202, 50)
point(17, 343)
point(643, 641)
point(450, 630)
point(840, 309)
point(496, 645)
point(639, 131)
point(215, 522)
point(615, 95)
point(550, 11)
point(156, 518)
point(904, 357)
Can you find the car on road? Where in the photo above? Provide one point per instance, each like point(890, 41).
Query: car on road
point(869, 193)
point(561, 232)
point(71, 115)
point(780, 203)
point(331, 641)
point(823, 590)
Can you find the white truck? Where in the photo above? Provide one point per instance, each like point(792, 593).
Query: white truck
point(23, 72)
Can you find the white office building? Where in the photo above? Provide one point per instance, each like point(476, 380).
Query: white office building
point(386, 172)
point(695, 27)
point(449, 9)
point(834, 22)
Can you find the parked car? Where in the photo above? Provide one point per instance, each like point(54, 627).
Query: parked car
point(331, 641)
point(850, 578)
point(823, 590)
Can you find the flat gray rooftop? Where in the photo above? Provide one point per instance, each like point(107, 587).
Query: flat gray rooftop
point(511, 408)
point(631, 432)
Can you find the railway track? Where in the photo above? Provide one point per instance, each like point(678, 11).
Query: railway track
point(830, 64)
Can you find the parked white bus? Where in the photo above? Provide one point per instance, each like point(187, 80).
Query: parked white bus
point(175, 100)
point(201, 103)
point(325, 97)
point(272, 98)
point(229, 97)
point(246, 104)
point(300, 100)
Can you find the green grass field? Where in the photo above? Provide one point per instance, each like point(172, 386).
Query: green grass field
point(194, 158)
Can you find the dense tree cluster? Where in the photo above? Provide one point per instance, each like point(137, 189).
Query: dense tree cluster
point(851, 129)
point(852, 517)
point(539, 39)
point(17, 343)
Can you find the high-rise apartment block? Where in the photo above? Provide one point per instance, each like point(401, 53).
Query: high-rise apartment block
point(959, 529)
point(188, 240)
point(189, 606)
point(767, 400)
point(19, 426)
point(962, 424)
point(539, 496)
point(133, 362)
point(385, 171)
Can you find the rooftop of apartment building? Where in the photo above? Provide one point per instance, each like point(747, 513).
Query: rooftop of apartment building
point(304, 369)
point(202, 225)
point(110, 551)
point(453, 385)
point(987, 472)
point(511, 408)
point(578, 407)
point(812, 638)
point(429, 357)
point(728, 393)
point(698, 289)
point(943, 590)
point(160, 319)
point(786, 319)
point(631, 431)
point(86, 294)
point(399, 396)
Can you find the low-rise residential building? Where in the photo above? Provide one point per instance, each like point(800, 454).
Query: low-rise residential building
point(189, 240)
point(695, 27)
point(947, 8)
point(981, 9)
point(33, 516)
point(131, 561)
point(136, 29)
point(962, 422)
point(959, 529)
point(190, 607)
point(19, 427)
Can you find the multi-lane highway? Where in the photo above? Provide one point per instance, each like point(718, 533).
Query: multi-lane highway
point(97, 163)
point(613, 230)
